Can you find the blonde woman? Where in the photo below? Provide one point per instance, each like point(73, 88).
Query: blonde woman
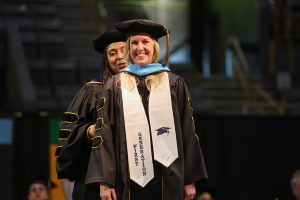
point(146, 146)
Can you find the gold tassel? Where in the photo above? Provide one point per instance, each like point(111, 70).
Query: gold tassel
point(166, 61)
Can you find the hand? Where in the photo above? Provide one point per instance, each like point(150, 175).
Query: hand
point(92, 131)
point(107, 192)
point(189, 191)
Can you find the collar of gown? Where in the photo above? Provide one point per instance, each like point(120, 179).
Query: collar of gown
point(145, 70)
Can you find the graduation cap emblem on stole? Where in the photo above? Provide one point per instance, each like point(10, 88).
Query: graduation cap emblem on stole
point(163, 130)
point(162, 125)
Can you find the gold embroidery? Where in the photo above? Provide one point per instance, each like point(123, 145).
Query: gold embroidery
point(197, 137)
point(190, 100)
point(62, 138)
point(64, 133)
point(104, 102)
point(69, 115)
point(102, 123)
point(193, 122)
point(101, 141)
point(141, 97)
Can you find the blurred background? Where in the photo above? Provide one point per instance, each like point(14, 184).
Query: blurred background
point(240, 60)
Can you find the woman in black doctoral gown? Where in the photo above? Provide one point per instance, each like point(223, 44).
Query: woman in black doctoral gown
point(77, 128)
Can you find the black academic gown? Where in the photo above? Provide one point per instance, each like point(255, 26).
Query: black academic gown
point(74, 148)
point(108, 160)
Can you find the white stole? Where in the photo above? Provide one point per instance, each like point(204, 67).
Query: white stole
point(137, 130)
point(137, 137)
point(162, 123)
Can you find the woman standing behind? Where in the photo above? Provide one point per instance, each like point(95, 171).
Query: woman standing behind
point(146, 145)
point(78, 129)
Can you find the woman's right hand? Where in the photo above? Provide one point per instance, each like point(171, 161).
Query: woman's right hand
point(107, 192)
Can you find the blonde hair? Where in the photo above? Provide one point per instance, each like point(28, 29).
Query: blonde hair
point(129, 82)
point(156, 54)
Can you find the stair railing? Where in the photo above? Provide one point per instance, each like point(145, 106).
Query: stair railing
point(260, 91)
point(241, 68)
point(240, 65)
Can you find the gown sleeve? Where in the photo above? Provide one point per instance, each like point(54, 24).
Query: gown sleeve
point(102, 163)
point(194, 167)
point(73, 145)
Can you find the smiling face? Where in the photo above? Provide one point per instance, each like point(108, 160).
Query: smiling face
point(141, 49)
point(115, 56)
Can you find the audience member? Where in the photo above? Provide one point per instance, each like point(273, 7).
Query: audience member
point(295, 185)
point(39, 188)
point(205, 193)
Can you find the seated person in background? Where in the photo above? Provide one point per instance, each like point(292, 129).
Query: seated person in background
point(295, 185)
point(205, 193)
point(39, 188)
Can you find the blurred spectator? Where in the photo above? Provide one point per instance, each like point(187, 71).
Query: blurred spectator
point(205, 193)
point(295, 185)
point(39, 188)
